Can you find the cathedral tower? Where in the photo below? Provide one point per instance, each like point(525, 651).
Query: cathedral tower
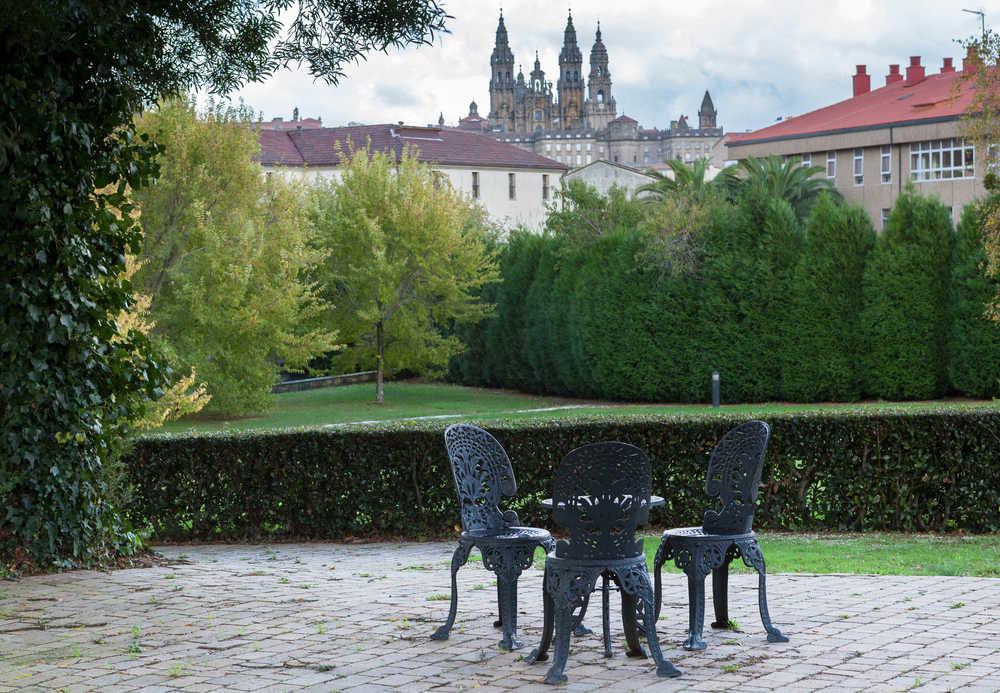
point(707, 114)
point(502, 81)
point(570, 81)
point(600, 103)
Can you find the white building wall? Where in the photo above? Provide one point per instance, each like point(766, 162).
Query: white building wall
point(602, 176)
point(527, 208)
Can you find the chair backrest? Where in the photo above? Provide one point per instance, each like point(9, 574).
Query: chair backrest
point(483, 475)
point(734, 471)
point(601, 494)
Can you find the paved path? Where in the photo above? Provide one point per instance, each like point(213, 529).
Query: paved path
point(357, 617)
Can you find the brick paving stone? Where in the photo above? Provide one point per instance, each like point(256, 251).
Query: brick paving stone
point(281, 618)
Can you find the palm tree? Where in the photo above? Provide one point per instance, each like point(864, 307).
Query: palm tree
point(785, 178)
point(690, 179)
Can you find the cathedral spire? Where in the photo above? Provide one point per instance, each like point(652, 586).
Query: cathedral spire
point(707, 114)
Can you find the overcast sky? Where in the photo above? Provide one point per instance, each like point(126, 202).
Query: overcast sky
point(759, 58)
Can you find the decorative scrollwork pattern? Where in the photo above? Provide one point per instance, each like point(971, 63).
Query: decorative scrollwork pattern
point(734, 472)
point(601, 494)
point(483, 475)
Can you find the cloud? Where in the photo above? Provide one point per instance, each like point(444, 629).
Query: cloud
point(759, 58)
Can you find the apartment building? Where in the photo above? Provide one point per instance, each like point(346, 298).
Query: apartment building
point(871, 145)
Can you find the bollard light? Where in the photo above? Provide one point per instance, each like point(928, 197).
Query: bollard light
point(716, 399)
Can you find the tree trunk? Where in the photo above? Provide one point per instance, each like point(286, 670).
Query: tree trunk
point(380, 360)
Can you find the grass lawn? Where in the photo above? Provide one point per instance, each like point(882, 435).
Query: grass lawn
point(409, 400)
point(875, 553)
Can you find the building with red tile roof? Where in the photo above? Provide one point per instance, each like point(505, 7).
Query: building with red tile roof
point(872, 144)
point(512, 184)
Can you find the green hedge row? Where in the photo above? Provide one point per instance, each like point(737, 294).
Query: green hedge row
point(819, 309)
point(887, 470)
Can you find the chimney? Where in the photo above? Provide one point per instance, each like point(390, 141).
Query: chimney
point(862, 81)
point(893, 75)
point(949, 66)
point(915, 72)
point(971, 61)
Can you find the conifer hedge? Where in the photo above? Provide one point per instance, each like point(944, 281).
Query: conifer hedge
point(818, 311)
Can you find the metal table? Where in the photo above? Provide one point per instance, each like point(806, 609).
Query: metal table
point(605, 589)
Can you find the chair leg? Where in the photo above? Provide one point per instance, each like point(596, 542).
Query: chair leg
point(631, 627)
point(606, 613)
point(696, 612)
point(658, 561)
point(635, 581)
point(754, 557)
point(564, 622)
point(720, 596)
point(578, 628)
point(458, 559)
point(499, 622)
point(508, 610)
point(541, 653)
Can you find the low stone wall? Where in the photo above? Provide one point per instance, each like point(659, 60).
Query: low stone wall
point(324, 381)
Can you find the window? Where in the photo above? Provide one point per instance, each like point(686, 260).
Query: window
point(578, 146)
point(512, 186)
point(475, 185)
point(859, 166)
point(579, 159)
point(807, 160)
point(942, 159)
point(885, 217)
point(831, 164)
point(886, 165)
point(588, 146)
point(548, 147)
point(545, 186)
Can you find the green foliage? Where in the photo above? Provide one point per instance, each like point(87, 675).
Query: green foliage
point(407, 256)
point(823, 349)
point(687, 180)
point(905, 319)
point(974, 348)
point(789, 180)
point(73, 76)
point(888, 470)
point(586, 214)
point(226, 254)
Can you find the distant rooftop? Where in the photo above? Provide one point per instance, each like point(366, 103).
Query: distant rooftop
point(446, 146)
point(909, 99)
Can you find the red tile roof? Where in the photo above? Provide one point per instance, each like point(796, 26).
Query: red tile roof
point(445, 146)
point(939, 97)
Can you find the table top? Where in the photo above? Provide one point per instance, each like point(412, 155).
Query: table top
point(654, 502)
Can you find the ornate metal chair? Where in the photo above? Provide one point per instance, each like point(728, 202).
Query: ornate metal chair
point(734, 471)
point(601, 494)
point(483, 475)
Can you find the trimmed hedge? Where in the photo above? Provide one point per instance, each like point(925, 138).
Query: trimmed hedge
point(887, 470)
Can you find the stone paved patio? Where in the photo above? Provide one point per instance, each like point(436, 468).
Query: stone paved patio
point(357, 617)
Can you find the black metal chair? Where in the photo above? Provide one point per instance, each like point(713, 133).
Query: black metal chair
point(734, 472)
point(483, 475)
point(601, 494)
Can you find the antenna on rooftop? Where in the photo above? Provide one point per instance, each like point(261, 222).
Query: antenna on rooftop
point(982, 19)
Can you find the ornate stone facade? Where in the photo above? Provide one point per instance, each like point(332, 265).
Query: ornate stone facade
point(576, 121)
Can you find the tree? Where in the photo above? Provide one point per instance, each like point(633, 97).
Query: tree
point(981, 124)
point(74, 74)
point(905, 319)
point(226, 254)
point(974, 347)
point(822, 356)
point(787, 179)
point(689, 179)
point(586, 214)
point(406, 256)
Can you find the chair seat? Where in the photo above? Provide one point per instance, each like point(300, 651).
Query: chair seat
point(512, 535)
point(698, 534)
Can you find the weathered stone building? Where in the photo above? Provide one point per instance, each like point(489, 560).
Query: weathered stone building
point(576, 121)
